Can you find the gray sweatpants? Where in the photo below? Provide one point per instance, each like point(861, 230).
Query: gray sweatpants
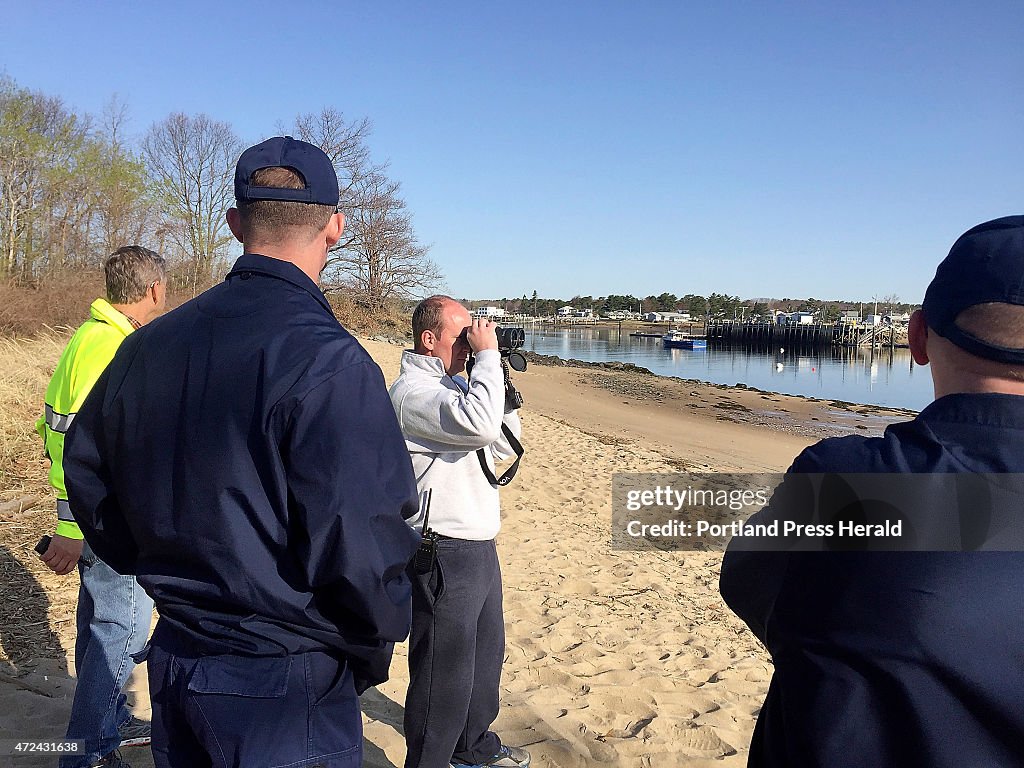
point(455, 652)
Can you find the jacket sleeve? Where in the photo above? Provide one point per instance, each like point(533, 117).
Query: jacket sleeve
point(464, 421)
point(77, 373)
point(500, 448)
point(350, 481)
point(751, 580)
point(90, 488)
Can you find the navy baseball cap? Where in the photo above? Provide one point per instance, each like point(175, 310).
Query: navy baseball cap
point(309, 161)
point(985, 265)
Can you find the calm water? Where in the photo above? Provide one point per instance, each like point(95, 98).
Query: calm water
point(853, 375)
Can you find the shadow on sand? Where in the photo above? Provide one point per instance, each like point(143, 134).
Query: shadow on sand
point(382, 709)
point(25, 631)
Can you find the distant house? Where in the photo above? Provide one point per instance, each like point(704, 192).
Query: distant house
point(488, 312)
point(794, 318)
point(872, 320)
point(585, 312)
point(849, 317)
point(667, 317)
point(899, 318)
point(566, 311)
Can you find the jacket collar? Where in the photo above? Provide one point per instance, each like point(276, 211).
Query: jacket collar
point(103, 311)
point(425, 364)
point(988, 409)
point(282, 270)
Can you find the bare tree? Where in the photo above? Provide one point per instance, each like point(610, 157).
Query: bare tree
point(121, 198)
point(191, 161)
point(891, 301)
point(378, 257)
point(382, 260)
point(345, 144)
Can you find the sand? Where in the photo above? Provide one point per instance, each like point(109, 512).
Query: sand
point(613, 657)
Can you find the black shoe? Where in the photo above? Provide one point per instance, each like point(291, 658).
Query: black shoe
point(111, 760)
point(507, 757)
point(135, 733)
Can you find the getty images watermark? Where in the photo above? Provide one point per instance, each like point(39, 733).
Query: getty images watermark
point(818, 512)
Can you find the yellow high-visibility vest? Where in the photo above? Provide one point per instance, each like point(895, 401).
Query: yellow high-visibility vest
point(86, 356)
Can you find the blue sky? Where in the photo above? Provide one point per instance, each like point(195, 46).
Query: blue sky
point(762, 149)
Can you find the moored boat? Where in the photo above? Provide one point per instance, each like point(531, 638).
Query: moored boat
point(680, 340)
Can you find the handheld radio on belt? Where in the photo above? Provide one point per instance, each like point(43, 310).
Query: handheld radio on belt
point(425, 557)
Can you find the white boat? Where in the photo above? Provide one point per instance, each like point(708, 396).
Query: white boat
point(681, 340)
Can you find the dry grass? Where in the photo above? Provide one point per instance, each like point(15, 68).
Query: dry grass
point(36, 606)
point(26, 366)
point(392, 320)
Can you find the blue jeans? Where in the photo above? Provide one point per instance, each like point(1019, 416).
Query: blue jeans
point(113, 620)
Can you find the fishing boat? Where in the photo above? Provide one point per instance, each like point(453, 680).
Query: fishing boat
point(681, 340)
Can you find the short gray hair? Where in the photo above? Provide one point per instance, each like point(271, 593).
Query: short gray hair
point(130, 271)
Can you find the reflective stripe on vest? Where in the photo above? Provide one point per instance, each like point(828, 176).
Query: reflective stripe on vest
point(58, 422)
point(64, 511)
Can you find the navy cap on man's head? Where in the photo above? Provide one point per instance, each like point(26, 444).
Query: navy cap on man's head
point(310, 162)
point(985, 265)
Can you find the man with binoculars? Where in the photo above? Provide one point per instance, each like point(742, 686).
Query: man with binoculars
point(455, 428)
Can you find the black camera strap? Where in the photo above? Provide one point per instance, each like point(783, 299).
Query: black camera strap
point(506, 478)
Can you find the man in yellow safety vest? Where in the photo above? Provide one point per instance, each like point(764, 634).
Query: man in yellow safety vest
point(114, 613)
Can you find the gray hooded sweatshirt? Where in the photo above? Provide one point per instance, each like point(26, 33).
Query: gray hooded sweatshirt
point(445, 420)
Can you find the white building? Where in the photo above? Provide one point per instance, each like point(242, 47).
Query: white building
point(667, 317)
point(566, 311)
point(488, 312)
point(794, 318)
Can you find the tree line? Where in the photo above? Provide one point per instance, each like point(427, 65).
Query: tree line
point(716, 305)
point(73, 188)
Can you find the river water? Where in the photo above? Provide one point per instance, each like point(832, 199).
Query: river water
point(885, 377)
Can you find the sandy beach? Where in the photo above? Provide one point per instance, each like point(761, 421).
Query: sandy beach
point(613, 657)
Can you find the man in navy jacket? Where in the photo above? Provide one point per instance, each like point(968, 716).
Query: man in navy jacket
point(241, 457)
point(912, 658)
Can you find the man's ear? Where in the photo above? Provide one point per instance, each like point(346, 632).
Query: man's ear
point(334, 228)
point(428, 341)
point(235, 223)
point(917, 335)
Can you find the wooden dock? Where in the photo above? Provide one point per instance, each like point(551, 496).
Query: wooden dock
point(803, 335)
